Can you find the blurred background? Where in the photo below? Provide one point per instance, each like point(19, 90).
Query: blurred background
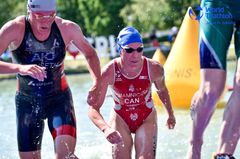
point(159, 22)
point(107, 17)
point(101, 20)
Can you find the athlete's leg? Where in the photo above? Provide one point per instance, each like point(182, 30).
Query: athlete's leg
point(31, 154)
point(202, 107)
point(146, 138)
point(62, 125)
point(65, 147)
point(122, 150)
point(64, 139)
point(30, 127)
point(215, 37)
point(230, 130)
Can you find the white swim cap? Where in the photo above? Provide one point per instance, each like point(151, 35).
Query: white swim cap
point(41, 5)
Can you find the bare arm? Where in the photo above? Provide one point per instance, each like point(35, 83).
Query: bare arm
point(12, 33)
point(94, 110)
point(157, 74)
point(72, 33)
point(8, 35)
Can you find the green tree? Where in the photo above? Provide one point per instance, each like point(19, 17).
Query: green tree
point(177, 10)
point(11, 9)
point(145, 15)
point(69, 9)
point(101, 17)
point(156, 14)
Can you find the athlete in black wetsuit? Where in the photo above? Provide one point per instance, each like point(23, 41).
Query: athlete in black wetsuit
point(37, 100)
point(38, 43)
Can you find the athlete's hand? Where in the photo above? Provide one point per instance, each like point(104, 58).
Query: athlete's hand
point(171, 121)
point(93, 94)
point(34, 71)
point(113, 136)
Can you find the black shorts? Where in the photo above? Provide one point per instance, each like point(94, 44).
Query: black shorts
point(31, 112)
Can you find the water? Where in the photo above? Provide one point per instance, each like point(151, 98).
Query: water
point(91, 143)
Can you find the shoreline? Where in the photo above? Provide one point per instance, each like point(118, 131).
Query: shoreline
point(79, 65)
point(67, 72)
point(71, 67)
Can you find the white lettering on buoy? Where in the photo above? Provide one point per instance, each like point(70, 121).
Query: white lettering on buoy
point(182, 73)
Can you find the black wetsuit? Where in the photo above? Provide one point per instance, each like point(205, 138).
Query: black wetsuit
point(38, 100)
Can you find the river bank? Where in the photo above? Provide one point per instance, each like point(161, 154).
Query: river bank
point(79, 65)
point(72, 66)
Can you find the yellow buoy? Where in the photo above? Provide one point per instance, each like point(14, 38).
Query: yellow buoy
point(159, 56)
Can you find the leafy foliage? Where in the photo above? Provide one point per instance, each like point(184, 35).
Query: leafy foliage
point(177, 9)
point(10, 9)
point(144, 14)
point(156, 14)
point(105, 17)
point(101, 17)
point(69, 9)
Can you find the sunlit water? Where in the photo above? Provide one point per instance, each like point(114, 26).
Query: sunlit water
point(91, 143)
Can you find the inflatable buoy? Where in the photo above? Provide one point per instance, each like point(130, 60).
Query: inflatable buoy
point(182, 67)
point(159, 56)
